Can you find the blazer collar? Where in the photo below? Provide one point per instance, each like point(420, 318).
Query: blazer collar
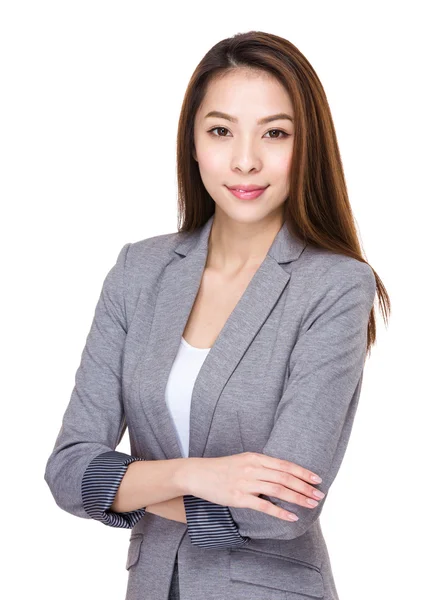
point(179, 285)
point(284, 248)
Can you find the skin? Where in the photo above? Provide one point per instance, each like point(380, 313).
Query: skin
point(242, 152)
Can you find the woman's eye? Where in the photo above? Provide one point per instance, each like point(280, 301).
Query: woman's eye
point(221, 128)
point(278, 131)
point(276, 137)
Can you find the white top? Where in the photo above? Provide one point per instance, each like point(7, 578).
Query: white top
point(179, 389)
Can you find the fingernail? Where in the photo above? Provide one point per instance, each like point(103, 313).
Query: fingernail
point(293, 517)
point(316, 478)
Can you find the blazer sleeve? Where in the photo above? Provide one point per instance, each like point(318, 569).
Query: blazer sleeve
point(315, 414)
point(84, 470)
point(314, 417)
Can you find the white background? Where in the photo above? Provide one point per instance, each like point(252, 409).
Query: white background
point(89, 104)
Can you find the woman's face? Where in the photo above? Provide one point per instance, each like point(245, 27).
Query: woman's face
point(234, 148)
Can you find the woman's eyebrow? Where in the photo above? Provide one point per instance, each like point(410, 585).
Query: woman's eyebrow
point(263, 121)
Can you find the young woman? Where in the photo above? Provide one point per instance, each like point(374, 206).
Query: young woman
point(232, 350)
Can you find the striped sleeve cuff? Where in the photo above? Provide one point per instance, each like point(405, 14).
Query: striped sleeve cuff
point(100, 483)
point(211, 525)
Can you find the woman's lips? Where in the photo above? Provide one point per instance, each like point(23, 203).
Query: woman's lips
point(247, 195)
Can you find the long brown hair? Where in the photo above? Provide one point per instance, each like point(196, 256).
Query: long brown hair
point(317, 208)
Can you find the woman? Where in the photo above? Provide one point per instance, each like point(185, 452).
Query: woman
point(232, 350)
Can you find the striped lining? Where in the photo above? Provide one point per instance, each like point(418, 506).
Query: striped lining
point(99, 486)
point(211, 525)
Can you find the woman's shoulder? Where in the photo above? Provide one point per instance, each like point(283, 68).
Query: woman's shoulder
point(152, 252)
point(322, 270)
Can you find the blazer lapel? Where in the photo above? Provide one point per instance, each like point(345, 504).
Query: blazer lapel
point(178, 289)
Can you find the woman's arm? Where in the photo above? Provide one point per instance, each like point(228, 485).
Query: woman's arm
point(87, 476)
point(173, 509)
point(148, 481)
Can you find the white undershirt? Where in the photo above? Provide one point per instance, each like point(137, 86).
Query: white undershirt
point(179, 389)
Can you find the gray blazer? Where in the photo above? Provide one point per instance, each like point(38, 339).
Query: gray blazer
point(283, 378)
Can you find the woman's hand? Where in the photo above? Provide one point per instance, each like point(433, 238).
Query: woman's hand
point(239, 479)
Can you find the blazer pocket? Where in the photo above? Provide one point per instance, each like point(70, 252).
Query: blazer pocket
point(135, 542)
point(273, 571)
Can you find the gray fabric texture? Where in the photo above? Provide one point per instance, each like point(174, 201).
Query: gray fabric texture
point(283, 378)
